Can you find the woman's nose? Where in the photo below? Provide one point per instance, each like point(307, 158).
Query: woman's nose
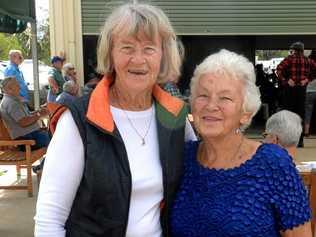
point(212, 104)
point(138, 57)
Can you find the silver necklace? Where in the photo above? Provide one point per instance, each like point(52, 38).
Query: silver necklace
point(131, 122)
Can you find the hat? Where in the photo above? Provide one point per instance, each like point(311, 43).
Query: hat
point(56, 59)
point(299, 46)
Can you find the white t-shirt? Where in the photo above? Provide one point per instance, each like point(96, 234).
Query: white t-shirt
point(59, 183)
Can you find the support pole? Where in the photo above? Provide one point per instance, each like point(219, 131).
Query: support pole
point(35, 66)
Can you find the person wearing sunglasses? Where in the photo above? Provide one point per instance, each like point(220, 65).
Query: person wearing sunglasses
point(13, 70)
point(70, 72)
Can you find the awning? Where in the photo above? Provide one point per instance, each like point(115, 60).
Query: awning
point(14, 15)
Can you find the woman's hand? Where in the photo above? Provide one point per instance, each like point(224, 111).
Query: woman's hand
point(304, 230)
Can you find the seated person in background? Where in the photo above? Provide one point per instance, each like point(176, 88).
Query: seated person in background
point(69, 94)
point(20, 122)
point(284, 128)
point(70, 72)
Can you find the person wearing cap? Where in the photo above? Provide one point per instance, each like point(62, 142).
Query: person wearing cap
point(20, 122)
point(70, 72)
point(12, 70)
point(55, 79)
point(294, 72)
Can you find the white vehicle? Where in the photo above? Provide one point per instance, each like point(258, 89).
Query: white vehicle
point(27, 69)
point(2, 67)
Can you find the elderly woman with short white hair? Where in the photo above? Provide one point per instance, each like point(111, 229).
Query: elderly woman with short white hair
point(284, 128)
point(115, 160)
point(234, 186)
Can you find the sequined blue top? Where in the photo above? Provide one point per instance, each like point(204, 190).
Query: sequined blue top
point(262, 197)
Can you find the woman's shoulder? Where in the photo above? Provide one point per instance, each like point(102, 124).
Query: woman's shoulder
point(275, 157)
point(273, 151)
point(190, 149)
point(191, 145)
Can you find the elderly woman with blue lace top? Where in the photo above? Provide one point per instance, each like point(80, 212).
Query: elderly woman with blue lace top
point(233, 186)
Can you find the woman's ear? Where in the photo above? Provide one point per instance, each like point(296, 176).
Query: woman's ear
point(245, 118)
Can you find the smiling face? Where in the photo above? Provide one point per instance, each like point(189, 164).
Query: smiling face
point(136, 61)
point(217, 105)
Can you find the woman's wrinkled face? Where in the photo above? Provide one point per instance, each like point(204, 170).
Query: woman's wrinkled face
point(136, 61)
point(217, 105)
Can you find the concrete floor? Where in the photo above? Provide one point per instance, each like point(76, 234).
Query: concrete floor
point(17, 210)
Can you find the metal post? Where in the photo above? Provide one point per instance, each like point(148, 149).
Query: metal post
point(35, 66)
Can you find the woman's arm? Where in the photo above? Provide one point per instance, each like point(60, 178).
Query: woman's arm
point(61, 177)
point(53, 85)
point(304, 230)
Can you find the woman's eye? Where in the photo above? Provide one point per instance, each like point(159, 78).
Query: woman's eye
point(226, 98)
point(127, 49)
point(150, 50)
point(202, 96)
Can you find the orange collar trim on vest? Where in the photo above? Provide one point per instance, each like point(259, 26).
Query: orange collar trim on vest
point(99, 112)
point(55, 111)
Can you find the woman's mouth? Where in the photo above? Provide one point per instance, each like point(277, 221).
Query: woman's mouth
point(211, 119)
point(138, 72)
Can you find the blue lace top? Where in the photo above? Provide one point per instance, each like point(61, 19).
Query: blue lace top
point(259, 198)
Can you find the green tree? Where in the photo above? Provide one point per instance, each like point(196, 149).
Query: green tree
point(23, 42)
point(25, 39)
point(8, 42)
point(44, 42)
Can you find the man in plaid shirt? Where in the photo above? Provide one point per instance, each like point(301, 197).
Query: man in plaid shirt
point(294, 73)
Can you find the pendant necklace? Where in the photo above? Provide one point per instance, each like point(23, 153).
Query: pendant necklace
point(142, 137)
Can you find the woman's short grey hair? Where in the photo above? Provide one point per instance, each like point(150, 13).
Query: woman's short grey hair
point(69, 86)
point(135, 17)
point(234, 66)
point(68, 66)
point(287, 126)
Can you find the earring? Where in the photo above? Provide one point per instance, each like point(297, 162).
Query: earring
point(237, 131)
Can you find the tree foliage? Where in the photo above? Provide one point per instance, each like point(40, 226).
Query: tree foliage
point(23, 42)
point(268, 54)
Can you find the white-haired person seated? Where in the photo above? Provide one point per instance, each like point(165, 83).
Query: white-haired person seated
point(69, 94)
point(284, 128)
point(234, 186)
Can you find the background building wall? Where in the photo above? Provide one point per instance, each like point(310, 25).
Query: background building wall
point(66, 32)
